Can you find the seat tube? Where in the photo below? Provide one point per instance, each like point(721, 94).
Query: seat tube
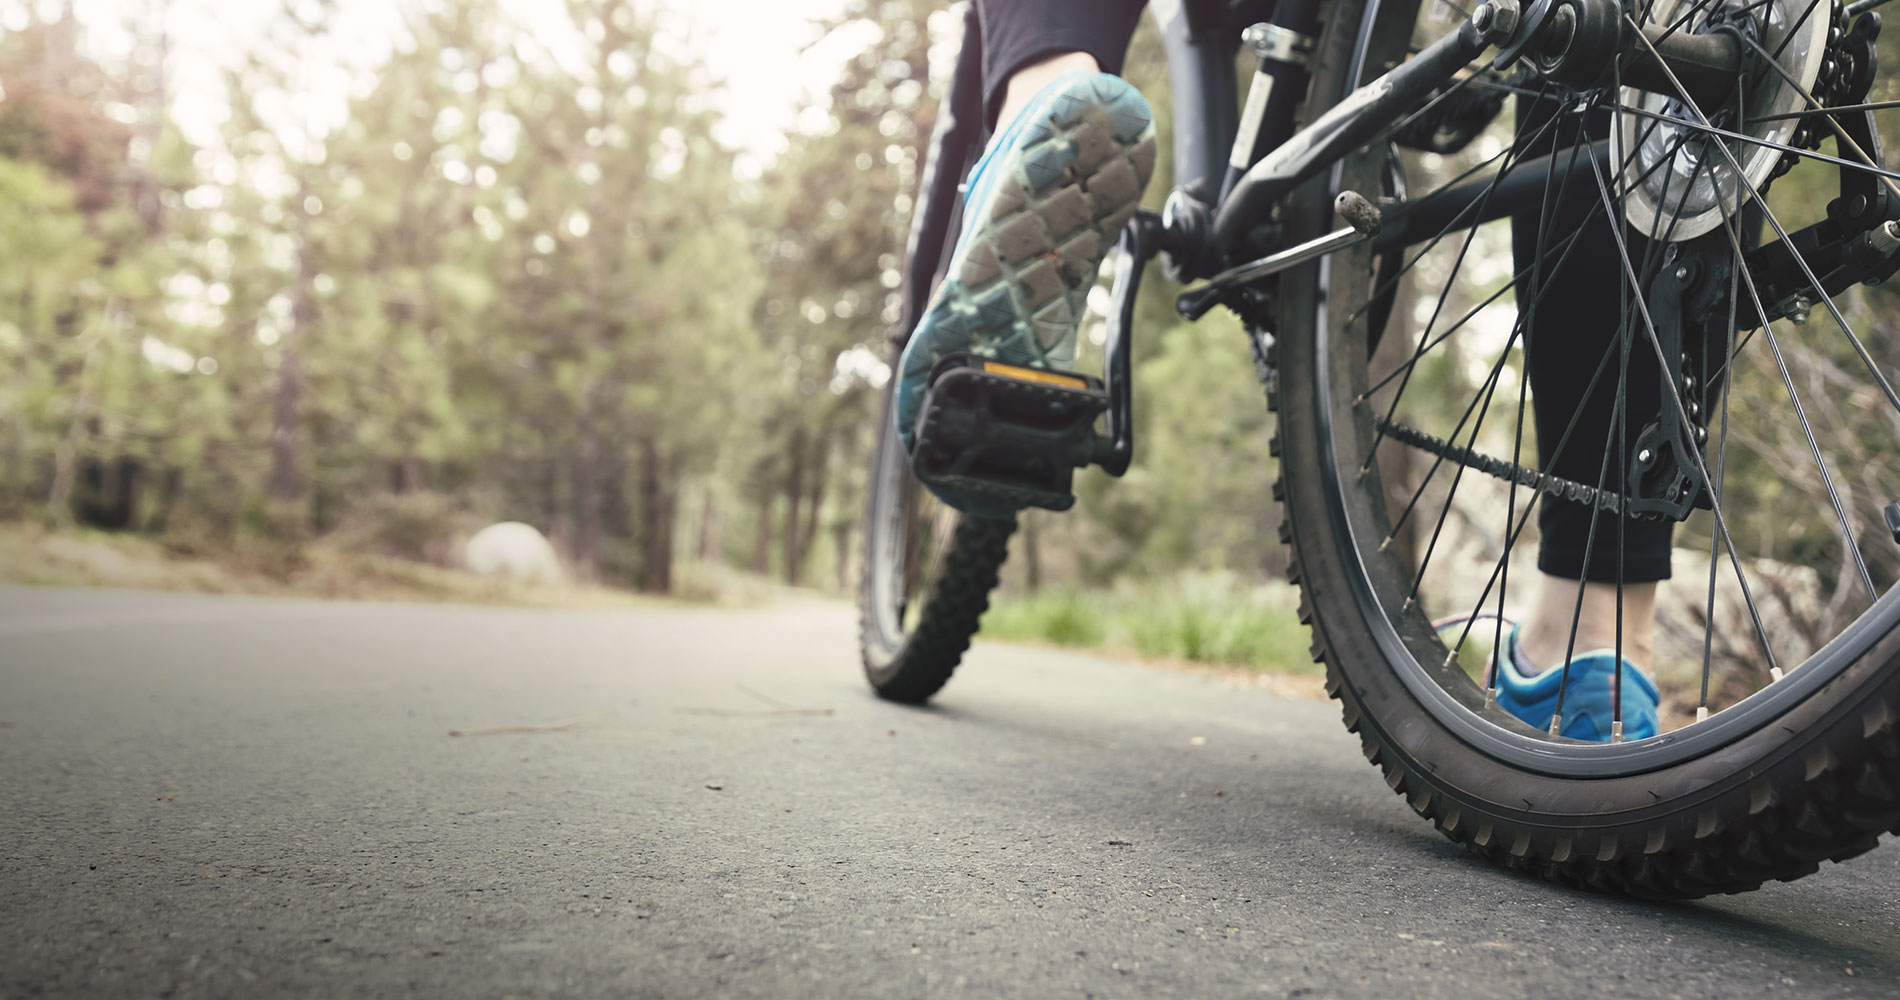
point(1279, 85)
point(1201, 75)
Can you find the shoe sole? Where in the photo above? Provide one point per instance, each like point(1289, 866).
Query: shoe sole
point(1063, 196)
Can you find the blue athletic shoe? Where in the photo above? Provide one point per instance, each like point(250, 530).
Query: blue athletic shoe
point(1587, 706)
point(1041, 210)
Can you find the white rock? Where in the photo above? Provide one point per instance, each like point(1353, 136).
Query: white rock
point(515, 550)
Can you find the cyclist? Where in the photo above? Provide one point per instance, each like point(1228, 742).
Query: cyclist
point(1044, 205)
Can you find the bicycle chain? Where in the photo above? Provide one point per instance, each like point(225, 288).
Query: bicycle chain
point(1557, 486)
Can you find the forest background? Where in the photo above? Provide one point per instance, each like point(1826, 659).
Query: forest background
point(522, 273)
point(518, 279)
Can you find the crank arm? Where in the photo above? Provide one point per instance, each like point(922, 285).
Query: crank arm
point(1352, 206)
point(1140, 241)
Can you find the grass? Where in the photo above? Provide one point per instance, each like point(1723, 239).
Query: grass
point(1201, 618)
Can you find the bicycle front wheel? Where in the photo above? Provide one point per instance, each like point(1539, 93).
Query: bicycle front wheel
point(928, 573)
point(1754, 430)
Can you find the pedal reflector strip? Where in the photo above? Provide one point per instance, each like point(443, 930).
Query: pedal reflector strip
point(1033, 375)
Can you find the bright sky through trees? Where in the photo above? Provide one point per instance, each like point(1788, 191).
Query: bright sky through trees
point(767, 53)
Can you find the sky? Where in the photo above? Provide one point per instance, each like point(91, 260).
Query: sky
point(762, 49)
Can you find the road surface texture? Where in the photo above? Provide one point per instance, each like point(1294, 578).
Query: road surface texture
point(227, 797)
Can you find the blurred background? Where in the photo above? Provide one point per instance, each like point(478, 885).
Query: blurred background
point(299, 296)
point(300, 292)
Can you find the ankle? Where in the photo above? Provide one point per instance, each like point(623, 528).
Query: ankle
point(1540, 649)
point(1027, 81)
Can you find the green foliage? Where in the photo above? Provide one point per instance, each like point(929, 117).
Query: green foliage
point(1199, 617)
point(531, 281)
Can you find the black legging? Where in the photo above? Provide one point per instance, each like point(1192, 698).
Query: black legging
point(1576, 321)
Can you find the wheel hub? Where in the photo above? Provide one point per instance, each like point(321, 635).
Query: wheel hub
point(1678, 183)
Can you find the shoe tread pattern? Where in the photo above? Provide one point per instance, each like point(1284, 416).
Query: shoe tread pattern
point(1066, 193)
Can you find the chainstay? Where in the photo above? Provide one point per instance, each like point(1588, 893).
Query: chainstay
point(1557, 486)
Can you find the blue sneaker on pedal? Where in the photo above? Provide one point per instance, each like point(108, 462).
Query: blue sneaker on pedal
point(1042, 208)
point(1588, 706)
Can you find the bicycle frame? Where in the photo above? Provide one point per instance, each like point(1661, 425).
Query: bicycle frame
point(1259, 158)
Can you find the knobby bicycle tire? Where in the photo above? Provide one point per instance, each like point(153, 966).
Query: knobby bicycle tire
point(1817, 778)
point(912, 661)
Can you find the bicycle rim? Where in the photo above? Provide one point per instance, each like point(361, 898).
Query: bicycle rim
point(1780, 773)
point(1470, 534)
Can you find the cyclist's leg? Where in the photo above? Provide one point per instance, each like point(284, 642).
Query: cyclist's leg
point(1021, 39)
point(1063, 174)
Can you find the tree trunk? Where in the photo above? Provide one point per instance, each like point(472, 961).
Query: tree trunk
point(405, 474)
point(656, 529)
point(669, 525)
point(584, 501)
point(286, 477)
point(13, 486)
point(841, 543)
point(170, 480)
point(794, 491)
point(762, 539)
point(708, 548)
point(286, 482)
point(59, 500)
point(816, 504)
point(620, 512)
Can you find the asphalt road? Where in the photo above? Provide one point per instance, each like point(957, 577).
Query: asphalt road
point(222, 797)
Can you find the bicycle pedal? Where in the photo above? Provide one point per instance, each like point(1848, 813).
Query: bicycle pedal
point(1006, 433)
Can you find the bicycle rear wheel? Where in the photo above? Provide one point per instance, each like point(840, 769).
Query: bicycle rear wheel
point(1410, 472)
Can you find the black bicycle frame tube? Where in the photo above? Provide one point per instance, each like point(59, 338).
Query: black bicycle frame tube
point(1420, 220)
point(1201, 77)
point(1345, 126)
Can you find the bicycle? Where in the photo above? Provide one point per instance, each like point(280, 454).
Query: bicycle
point(1792, 755)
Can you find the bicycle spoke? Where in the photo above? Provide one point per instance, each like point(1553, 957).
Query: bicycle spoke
point(1794, 30)
point(1840, 134)
point(1538, 492)
point(1807, 272)
point(1470, 236)
point(1800, 414)
point(1485, 393)
point(1480, 404)
point(1500, 573)
point(1544, 211)
point(1633, 287)
point(1702, 5)
point(1729, 225)
point(1511, 285)
point(1387, 284)
point(1589, 549)
point(1425, 340)
point(1569, 241)
point(1809, 154)
point(1840, 109)
point(1721, 459)
point(1721, 520)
